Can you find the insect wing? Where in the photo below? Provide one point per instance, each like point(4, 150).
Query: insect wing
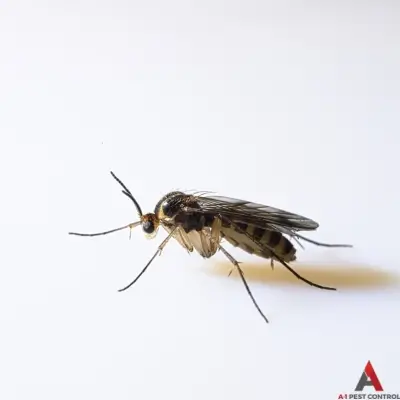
point(260, 215)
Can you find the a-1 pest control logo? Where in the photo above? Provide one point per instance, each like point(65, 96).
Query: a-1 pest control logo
point(369, 386)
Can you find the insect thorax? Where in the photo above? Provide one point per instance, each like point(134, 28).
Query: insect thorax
point(174, 208)
point(169, 205)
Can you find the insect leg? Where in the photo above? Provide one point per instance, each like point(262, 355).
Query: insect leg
point(215, 234)
point(158, 252)
point(236, 264)
point(297, 275)
point(272, 267)
point(215, 241)
point(322, 244)
point(215, 238)
point(130, 226)
point(182, 237)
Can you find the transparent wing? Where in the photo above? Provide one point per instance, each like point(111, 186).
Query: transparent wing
point(260, 215)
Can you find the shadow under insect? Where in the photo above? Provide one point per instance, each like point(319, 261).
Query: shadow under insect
point(343, 276)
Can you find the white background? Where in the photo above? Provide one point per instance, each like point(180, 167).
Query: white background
point(291, 104)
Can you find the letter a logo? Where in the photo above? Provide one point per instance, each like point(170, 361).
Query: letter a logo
point(369, 378)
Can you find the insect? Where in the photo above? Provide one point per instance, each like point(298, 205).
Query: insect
point(199, 222)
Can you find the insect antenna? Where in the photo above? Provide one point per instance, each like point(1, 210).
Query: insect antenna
point(128, 193)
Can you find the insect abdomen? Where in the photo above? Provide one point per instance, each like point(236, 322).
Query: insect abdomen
point(274, 240)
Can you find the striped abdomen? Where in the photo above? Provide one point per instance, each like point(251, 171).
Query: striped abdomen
point(280, 245)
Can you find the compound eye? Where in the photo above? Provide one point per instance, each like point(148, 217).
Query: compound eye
point(148, 226)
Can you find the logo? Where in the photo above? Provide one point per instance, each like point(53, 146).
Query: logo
point(370, 384)
point(369, 378)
